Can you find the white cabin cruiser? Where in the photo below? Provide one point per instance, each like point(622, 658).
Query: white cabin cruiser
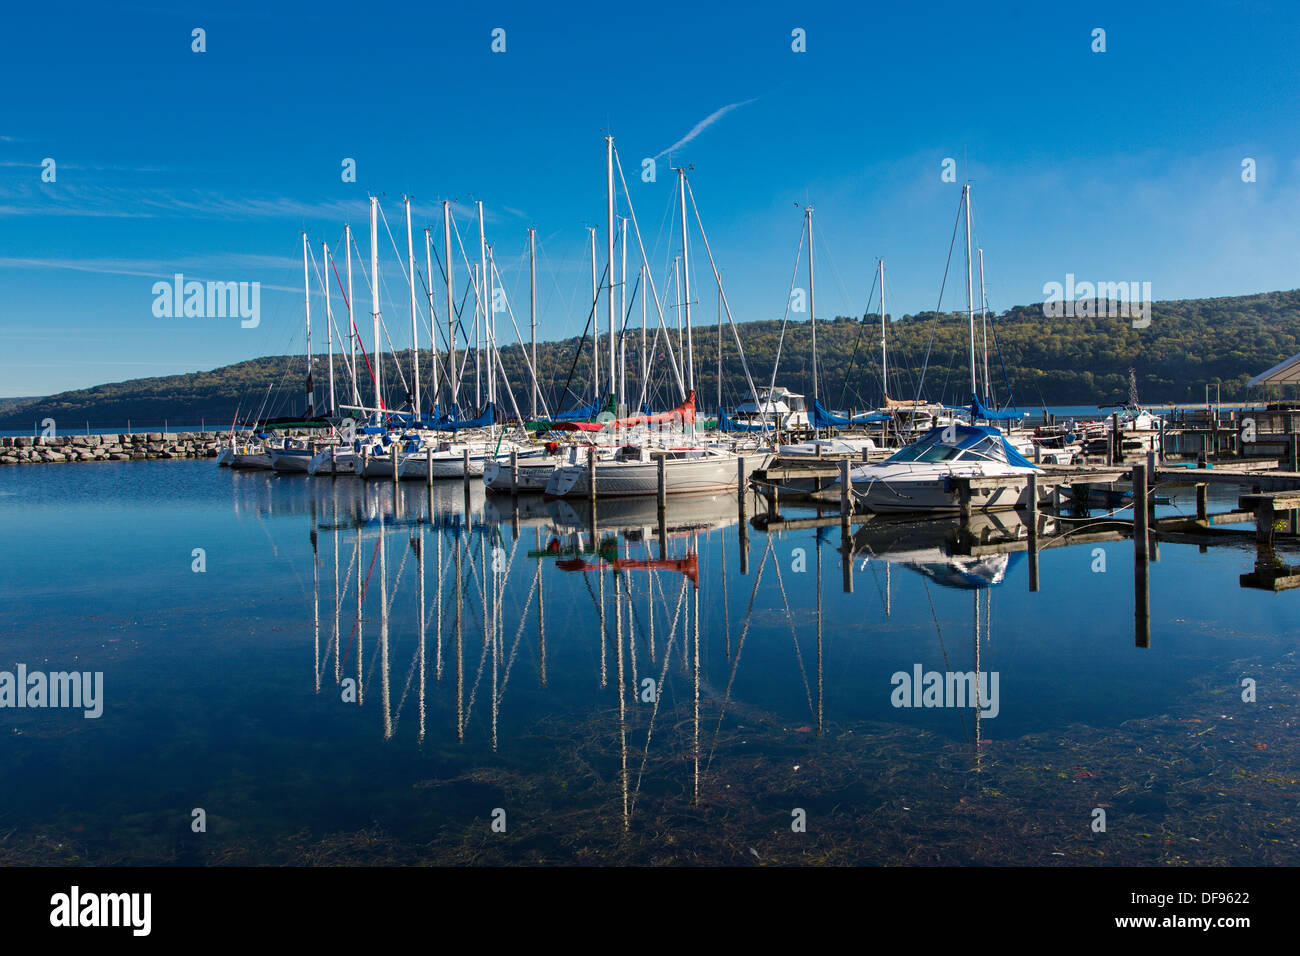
point(919, 477)
point(777, 408)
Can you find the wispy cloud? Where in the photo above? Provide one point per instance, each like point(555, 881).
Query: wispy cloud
point(160, 203)
point(195, 267)
point(704, 124)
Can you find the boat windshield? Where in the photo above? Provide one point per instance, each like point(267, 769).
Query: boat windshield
point(934, 449)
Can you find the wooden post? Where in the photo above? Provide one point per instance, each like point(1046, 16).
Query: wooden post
point(1033, 532)
point(1153, 483)
point(465, 461)
point(1160, 448)
point(1202, 502)
point(1264, 527)
point(740, 487)
point(514, 471)
point(663, 487)
point(428, 466)
point(1295, 451)
point(591, 474)
point(1116, 442)
point(1141, 557)
point(393, 457)
point(846, 505)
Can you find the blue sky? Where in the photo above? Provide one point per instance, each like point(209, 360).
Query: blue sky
point(1115, 166)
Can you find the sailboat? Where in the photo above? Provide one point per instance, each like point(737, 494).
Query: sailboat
point(691, 467)
point(919, 477)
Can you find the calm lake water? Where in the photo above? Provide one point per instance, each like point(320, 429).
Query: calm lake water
point(333, 672)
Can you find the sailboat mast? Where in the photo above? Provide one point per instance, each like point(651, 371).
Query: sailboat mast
point(595, 322)
point(352, 322)
point(984, 320)
point(374, 298)
point(490, 325)
point(532, 308)
point(970, 289)
point(643, 328)
point(453, 379)
point(686, 285)
point(433, 325)
point(719, 354)
point(329, 317)
point(478, 338)
point(609, 248)
point(622, 318)
point(306, 290)
point(485, 288)
point(884, 358)
point(812, 307)
point(415, 344)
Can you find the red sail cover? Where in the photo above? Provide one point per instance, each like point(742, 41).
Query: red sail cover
point(683, 413)
point(576, 426)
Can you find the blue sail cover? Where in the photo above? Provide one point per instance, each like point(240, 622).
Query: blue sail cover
point(583, 414)
point(824, 419)
point(486, 418)
point(978, 412)
point(728, 424)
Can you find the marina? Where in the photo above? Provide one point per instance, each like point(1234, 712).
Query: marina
point(591, 442)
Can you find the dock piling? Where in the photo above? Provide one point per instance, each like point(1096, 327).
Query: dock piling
point(1141, 560)
point(846, 506)
point(1033, 532)
point(662, 496)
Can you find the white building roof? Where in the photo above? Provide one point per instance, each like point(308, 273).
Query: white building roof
point(1284, 373)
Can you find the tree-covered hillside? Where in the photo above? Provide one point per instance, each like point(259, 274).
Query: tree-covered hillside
point(1075, 361)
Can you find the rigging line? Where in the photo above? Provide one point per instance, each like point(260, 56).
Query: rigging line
point(1002, 360)
point(780, 342)
point(578, 352)
point(323, 281)
point(744, 362)
point(937, 309)
point(636, 228)
point(528, 363)
point(853, 358)
point(355, 331)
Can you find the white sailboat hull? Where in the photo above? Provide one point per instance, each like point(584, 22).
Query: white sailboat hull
point(533, 475)
point(253, 460)
point(710, 474)
point(332, 461)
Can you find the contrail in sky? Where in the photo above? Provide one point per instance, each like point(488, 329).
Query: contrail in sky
point(704, 124)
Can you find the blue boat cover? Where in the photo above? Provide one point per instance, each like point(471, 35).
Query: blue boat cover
point(979, 412)
point(728, 424)
point(582, 414)
point(487, 417)
point(821, 418)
